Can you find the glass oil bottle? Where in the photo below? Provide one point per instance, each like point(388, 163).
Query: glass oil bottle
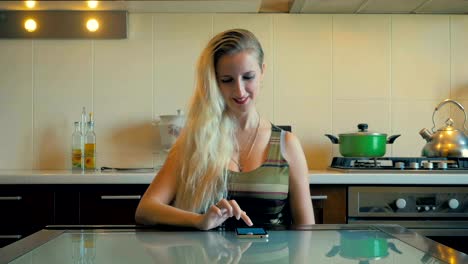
point(90, 147)
point(77, 145)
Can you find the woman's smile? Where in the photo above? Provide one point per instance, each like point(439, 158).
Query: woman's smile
point(242, 100)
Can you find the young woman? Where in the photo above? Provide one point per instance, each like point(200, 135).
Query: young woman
point(229, 162)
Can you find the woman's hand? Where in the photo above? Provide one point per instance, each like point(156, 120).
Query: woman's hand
point(217, 214)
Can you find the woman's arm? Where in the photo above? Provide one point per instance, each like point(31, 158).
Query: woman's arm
point(154, 206)
point(299, 193)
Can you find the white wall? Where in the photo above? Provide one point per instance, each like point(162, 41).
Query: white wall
point(325, 74)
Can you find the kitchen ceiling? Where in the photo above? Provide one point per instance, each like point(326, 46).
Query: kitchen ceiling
point(259, 6)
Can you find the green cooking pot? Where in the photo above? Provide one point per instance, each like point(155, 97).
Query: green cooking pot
point(362, 143)
point(363, 246)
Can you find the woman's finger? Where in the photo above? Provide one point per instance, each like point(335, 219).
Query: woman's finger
point(226, 205)
point(216, 210)
point(246, 218)
point(237, 211)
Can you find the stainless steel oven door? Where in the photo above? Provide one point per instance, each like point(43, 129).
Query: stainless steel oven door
point(437, 212)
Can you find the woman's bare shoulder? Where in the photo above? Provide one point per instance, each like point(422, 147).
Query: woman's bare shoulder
point(292, 146)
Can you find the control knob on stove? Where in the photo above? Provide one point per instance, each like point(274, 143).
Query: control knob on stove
point(400, 203)
point(442, 165)
point(428, 165)
point(414, 165)
point(453, 203)
point(399, 165)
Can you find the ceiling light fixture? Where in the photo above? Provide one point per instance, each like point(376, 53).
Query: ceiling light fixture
point(59, 24)
point(92, 25)
point(30, 4)
point(92, 4)
point(30, 25)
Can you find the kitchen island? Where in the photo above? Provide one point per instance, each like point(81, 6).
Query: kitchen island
point(33, 199)
point(303, 244)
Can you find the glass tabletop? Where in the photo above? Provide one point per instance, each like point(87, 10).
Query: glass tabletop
point(314, 244)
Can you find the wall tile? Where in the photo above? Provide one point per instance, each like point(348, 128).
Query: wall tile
point(347, 114)
point(303, 92)
point(123, 96)
point(408, 118)
point(393, 84)
point(361, 56)
point(420, 57)
point(459, 55)
point(178, 42)
point(62, 86)
point(16, 104)
point(261, 26)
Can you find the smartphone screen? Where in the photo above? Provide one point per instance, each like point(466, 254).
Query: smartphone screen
point(251, 232)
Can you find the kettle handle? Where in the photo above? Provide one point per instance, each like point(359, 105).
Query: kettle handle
point(443, 103)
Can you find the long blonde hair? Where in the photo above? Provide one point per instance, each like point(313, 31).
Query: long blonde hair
point(207, 142)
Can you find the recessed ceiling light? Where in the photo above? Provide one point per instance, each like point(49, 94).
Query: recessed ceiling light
point(30, 4)
point(30, 25)
point(92, 4)
point(92, 25)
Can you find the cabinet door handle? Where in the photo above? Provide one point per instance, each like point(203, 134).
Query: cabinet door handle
point(10, 236)
point(10, 198)
point(318, 197)
point(120, 197)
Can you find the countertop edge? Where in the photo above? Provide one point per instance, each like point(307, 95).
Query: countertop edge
point(314, 177)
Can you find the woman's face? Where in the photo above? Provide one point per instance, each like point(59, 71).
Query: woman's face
point(239, 77)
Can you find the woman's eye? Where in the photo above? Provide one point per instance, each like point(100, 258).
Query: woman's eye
point(249, 77)
point(226, 80)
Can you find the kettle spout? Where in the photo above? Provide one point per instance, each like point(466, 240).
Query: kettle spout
point(426, 134)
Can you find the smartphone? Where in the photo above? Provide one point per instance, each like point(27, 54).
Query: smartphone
point(251, 232)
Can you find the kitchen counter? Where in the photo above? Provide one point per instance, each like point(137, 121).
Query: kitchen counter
point(315, 177)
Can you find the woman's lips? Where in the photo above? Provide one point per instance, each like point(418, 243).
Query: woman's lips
point(241, 100)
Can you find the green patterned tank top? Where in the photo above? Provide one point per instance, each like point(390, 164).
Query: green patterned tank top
point(263, 192)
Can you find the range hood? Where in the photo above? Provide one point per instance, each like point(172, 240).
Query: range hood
point(258, 6)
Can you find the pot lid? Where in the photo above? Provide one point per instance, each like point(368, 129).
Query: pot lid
point(362, 131)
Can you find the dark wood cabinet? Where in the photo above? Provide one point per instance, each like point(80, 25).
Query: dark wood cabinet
point(110, 204)
point(329, 203)
point(24, 210)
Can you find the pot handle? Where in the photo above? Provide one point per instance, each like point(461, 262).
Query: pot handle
point(443, 103)
point(394, 248)
point(391, 139)
point(333, 251)
point(333, 139)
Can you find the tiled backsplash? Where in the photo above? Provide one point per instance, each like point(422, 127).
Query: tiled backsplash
point(325, 74)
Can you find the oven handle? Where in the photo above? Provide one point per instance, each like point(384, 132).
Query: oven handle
point(318, 197)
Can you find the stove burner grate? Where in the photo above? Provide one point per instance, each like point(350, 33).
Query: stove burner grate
point(400, 163)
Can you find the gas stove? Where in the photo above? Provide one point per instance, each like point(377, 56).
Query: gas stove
point(401, 164)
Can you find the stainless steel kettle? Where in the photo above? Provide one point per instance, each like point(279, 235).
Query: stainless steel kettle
point(447, 141)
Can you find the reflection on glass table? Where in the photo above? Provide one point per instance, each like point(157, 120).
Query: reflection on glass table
point(364, 246)
point(308, 244)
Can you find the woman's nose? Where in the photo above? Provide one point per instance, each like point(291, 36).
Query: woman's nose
point(239, 87)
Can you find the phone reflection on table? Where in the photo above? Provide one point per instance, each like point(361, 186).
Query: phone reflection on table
point(225, 247)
